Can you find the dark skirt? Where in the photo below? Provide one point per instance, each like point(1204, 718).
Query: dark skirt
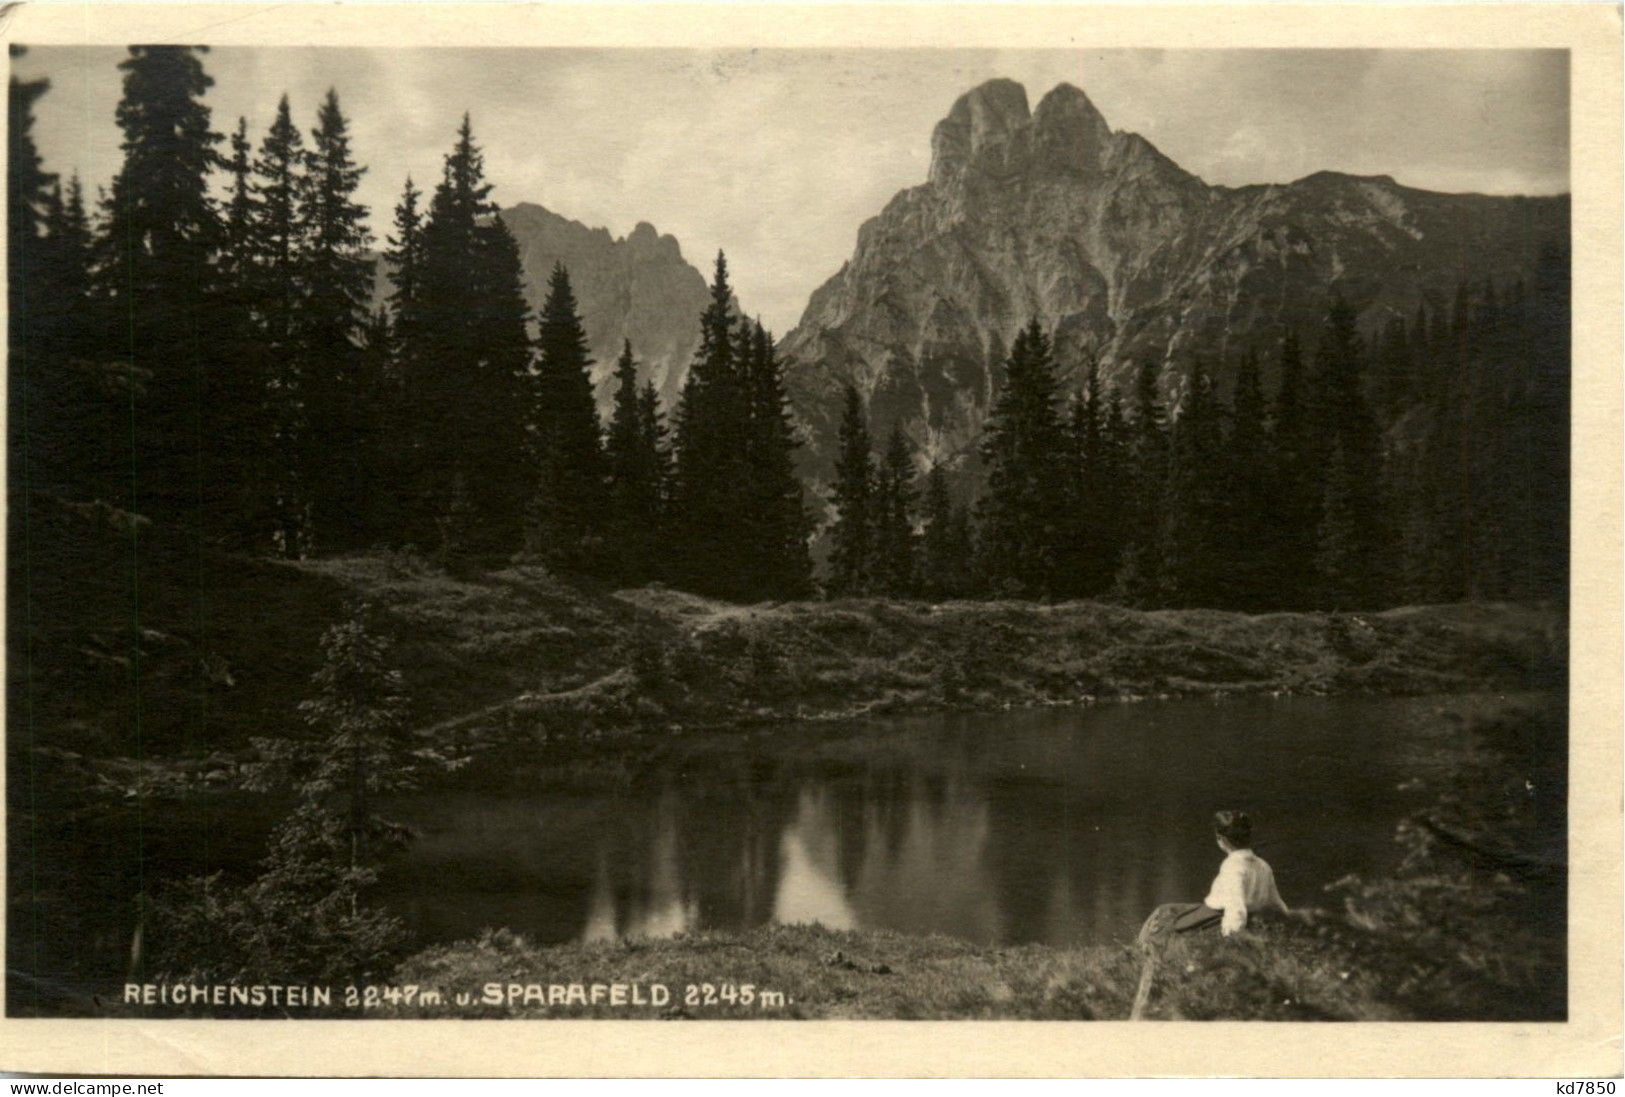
point(1172, 918)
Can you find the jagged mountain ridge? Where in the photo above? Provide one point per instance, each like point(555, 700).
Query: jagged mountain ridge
point(636, 287)
point(1119, 253)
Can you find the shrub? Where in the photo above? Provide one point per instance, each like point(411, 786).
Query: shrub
point(303, 919)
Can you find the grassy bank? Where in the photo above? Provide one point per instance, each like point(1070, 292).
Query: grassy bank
point(1471, 926)
point(1278, 972)
point(180, 657)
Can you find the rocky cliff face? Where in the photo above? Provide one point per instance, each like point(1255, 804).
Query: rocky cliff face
point(1121, 254)
point(638, 287)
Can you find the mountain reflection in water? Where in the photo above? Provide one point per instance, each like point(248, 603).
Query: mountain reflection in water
point(1062, 827)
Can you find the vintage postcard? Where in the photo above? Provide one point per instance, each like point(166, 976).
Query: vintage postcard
point(813, 540)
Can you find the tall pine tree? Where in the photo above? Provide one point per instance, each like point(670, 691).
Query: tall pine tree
point(1248, 522)
point(409, 445)
point(657, 441)
point(278, 293)
point(1145, 472)
point(1347, 429)
point(711, 429)
point(1189, 565)
point(776, 564)
point(945, 548)
point(158, 273)
point(36, 391)
point(851, 560)
point(1023, 448)
point(896, 551)
point(340, 469)
point(570, 517)
point(501, 351)
point(636, 476)
point(468, 368)
point(1291, 548)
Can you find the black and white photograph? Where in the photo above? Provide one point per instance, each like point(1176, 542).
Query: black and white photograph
point(788, 533)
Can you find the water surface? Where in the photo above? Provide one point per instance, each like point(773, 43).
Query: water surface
point(1061, 826)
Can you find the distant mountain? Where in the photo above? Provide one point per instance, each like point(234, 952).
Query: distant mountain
point(638, 287)
point(1121, 253)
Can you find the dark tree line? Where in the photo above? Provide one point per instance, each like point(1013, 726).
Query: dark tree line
point(890, 534)
point(1428, 465)
point(201, 350)
point(197, 346)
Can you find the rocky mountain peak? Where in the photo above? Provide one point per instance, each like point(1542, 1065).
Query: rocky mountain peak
point(991, 132)
point(982, 125)
point(646, 240)
point(1069, 129)
point(1123, 257)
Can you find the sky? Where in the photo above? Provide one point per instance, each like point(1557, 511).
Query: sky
point(777, 156)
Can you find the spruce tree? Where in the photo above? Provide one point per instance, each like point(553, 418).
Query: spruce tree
point(569, 519)
point(405, 254)
point(1189, 563)
point(36, 390)
point(442, 384)
point(246, 393)
point(711, 431)
point(1023, 448)
point(1477, 475)
point(502, 352)
point(242, 472)
point(1395, 370)
point(67, 280)
point(237, 255)
point(158, 273)
point(777, 564)
point(944, 547)
point(409, 445)
point(1446, 545)
point(279, 232)
point(1248, 522)
point(1095, 535)
point(70, 439)
point(657, 441)
point(1342, 575)
point(1345, 422)
point(467, 369)
point(1145, 471)
point(852, 556)
point(340, 475)
point(896, 563)
point(1113, 505)
point(1077, 548)
point(632, 452)
point(278, 269)
point(28, 189)
point(1298, 491)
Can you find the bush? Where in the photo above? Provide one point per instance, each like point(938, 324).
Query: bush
point(301, 921)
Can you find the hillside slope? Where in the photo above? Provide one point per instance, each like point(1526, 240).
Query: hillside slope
point(130, 641)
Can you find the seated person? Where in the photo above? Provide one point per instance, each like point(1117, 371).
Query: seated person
point(1245, 884)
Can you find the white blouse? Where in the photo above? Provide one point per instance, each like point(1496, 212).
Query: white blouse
point(1244, 883)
